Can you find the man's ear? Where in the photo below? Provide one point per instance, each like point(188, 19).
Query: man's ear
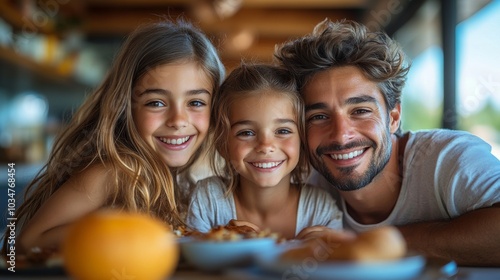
point(395, 118)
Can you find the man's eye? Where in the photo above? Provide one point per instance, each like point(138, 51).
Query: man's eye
point(155, 104)
point(316, 117)
point(361, 111)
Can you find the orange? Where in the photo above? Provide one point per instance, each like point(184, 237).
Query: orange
point(116, 245)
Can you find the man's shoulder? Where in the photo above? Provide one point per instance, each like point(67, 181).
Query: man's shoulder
point(439, 133)
point(437, 138)
point(445, 152)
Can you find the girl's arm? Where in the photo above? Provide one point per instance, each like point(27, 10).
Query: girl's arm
point(83, 193)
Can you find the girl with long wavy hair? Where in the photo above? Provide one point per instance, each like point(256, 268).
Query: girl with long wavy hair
point(134, 138)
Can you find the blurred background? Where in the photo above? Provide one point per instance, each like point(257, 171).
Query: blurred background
point(54, 52)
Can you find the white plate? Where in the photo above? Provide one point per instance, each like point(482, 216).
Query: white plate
point(217, 255)
point(310, 268)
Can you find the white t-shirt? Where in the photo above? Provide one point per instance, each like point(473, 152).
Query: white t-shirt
point(209, 207)
point(445, 174)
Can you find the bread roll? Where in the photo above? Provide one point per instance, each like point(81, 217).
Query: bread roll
point(383, 243)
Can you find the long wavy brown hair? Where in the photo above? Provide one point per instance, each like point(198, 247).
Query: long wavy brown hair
point(102, 131)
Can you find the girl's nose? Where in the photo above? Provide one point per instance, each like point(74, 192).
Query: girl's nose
point(265, 145)
point(177, 118)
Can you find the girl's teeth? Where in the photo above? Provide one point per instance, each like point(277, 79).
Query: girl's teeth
point(347, 156)
point(177, 141)
point(266, 164)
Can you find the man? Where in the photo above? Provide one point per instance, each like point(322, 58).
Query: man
point(440, 187)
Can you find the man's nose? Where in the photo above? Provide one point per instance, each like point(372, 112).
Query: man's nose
point(341, 129)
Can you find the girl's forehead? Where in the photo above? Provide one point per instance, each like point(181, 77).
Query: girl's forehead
point(258, 100)
point(187, 73)
point(165, 67)
point(263, 94)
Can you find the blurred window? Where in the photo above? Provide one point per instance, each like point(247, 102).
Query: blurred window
point(478, 74)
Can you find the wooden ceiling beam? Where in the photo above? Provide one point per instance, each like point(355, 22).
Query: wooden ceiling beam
point(120, 23)
point(261, 51)
point(138, 3)
point(337, 4)
point(315, 4)
point(279, 22)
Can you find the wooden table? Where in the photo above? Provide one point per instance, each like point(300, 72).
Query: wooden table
point(431, 273)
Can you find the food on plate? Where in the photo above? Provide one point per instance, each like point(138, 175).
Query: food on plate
point(180, 231)
point(232, 232)
point(111, 244)
point(35, 257)
point(383, 243)
point(43, 257)
point(248, 226)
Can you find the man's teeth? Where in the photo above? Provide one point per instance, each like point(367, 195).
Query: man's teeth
point(177, 141)
point(347, 156)
point(266, 164)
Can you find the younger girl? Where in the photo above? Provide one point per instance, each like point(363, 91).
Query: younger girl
point(143, 125)
point(258, 122)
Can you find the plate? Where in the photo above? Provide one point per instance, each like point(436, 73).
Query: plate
point(408, 267)
point(217, 255)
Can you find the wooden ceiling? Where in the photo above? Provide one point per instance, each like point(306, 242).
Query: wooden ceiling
point(247, 29)
point(241, 29)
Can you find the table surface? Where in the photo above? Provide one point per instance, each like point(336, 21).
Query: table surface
point(434, 271)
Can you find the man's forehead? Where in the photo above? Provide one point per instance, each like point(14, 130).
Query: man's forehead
point(346, 87)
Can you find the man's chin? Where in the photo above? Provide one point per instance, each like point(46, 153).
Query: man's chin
point(346, 180)
point(348, 186)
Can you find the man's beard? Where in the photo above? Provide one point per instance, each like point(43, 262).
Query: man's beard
point(349, 180)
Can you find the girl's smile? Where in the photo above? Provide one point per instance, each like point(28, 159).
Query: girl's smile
point(177, 143)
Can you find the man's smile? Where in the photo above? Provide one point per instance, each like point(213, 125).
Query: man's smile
point(344, 156)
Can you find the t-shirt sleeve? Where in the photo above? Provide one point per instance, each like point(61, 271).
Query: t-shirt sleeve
point(208, 207)
point(197, 217)
point(469, 175)
point(318, 208)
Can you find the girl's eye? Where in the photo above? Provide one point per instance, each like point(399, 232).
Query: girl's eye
point(155, 104)
point(197, 103)
point(245, 133)
point(284, 131)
